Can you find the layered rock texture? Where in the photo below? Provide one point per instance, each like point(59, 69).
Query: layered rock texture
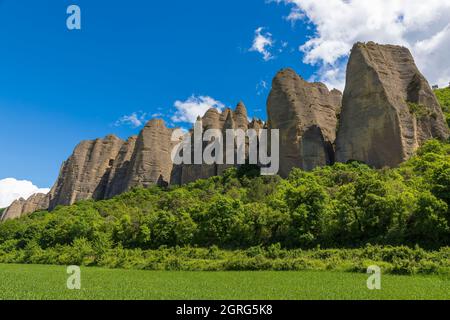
point(306, 115)
point(103, 168)
point(86, 173)
point(213, 119)
point(389, 109)
point(151, 161)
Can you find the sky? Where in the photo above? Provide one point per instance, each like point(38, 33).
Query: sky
point(136, 60)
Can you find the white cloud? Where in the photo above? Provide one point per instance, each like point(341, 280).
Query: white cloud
point(422, 26)
point(135, 120)
point(261, 87)
point(262, 43)
point(12, 189)
point(188, 111)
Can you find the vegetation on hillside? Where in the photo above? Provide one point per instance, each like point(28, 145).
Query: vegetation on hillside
point(341, 206)
point(443, 96)
point(1, 211)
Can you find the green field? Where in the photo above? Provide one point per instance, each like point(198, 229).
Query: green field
point(49, 282)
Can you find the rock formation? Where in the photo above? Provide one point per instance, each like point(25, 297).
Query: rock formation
point(117, 181)
point(306, 115)
point(213, 119)
point(389, 109)
point(151, 162)
point(103, 168)
point(22, 207)
point(387, 112)
point(86, 173)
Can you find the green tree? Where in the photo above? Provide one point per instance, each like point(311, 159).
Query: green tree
point(429, 222)
point(220, 223)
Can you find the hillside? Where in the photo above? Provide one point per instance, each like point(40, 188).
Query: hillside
point(345, 205)
point(443, 96)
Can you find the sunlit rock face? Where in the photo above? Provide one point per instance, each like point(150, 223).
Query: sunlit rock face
point(306, 115)
point(389, 109)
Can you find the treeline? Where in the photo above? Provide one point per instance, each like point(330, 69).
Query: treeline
point(341, 206)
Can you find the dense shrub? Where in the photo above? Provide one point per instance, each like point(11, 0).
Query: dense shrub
point(394, 260)
point(443, 96)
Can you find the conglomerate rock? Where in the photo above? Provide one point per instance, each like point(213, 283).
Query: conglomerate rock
point(389, 109)
point(306, 115)
point(387, 112)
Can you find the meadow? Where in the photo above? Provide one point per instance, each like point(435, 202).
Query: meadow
point(36, 282)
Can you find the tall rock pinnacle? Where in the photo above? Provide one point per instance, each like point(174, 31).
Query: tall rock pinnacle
point(306, 115)
point(151, 162)
point(389, 109)
point(213, 119)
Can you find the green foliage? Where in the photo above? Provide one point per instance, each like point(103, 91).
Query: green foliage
point(340, 206)
point(443, 96)
point(393, 260)
point(419, 110)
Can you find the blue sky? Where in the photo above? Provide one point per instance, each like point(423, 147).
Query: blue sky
point(58, 87)
point(144, 58)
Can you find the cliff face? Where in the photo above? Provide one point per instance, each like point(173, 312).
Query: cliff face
point(151, 162)
point(117, 181)
point(103, 168)
point(387, 112)
point(86, 173)
point(213, 119)
point(389, 109)
point(306, 115)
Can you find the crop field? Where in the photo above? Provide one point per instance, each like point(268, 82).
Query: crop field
point(35, 282)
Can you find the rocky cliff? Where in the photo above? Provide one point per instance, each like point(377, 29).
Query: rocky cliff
point(213, 119)
point(117, 180)
point(22, 206)
point(306, 115)
point(86, 173)
point(389, 109)
point(151, 162)
point(103, 168)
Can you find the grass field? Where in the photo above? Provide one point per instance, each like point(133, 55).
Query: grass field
point(33, 282)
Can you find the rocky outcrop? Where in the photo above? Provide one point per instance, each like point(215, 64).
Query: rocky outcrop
point(389, 109)
point(86, 173)
point(22, 207)
point(151, 162)
point(117, 181)
point(103, 168)
point(213, 119)
point(306, 115)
